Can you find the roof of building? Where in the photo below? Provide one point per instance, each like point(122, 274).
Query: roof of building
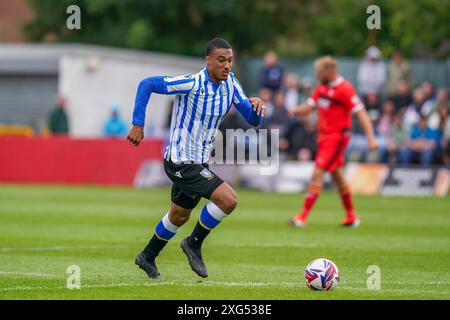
point(30, 58)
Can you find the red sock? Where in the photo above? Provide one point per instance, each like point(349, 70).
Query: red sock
point(310, 199)
point(346, 198)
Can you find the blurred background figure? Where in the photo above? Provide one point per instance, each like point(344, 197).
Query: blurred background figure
point(439, 111)
point(271, 76)
point(423, 145)
point(292, 90)
point(429, 98)
point(371, 75)
point(58, 123)
point(115, 126)
point(397, 139)
point(399, 70)
point(279, 115)
point(402, 97)
point(412, 113)
point(383, 129)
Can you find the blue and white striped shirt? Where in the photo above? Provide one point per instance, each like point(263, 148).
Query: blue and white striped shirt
point(200, 106)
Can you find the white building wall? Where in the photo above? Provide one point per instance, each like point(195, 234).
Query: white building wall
point(92, 80)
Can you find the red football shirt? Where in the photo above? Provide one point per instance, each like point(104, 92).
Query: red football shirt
point(336, 101)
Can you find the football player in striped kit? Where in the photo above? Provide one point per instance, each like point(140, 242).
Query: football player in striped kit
point(202, 100)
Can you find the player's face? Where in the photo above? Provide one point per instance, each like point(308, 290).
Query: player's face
point(219, 64)
point(325, 75)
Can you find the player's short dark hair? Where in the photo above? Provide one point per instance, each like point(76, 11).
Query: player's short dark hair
point(217, 43)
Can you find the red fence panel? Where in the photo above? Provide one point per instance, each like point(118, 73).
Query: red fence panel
point(74, 161)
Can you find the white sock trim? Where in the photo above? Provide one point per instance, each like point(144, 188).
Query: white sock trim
point(215, 211)
point(169, 225)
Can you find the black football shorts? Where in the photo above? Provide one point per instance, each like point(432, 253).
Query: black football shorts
point(191, 182)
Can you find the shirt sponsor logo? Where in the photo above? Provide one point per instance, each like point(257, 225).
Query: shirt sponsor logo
point(323, 103)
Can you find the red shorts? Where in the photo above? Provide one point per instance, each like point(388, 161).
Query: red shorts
point(331, 151)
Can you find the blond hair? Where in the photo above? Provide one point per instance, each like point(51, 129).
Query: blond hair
point(326, 62)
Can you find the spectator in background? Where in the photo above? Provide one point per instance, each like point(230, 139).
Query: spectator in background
point(423, 144)
point(373, 106)
point(412, 113)
point(279, 116)
point(292, 95)
point(398, 71)
point(446, 140)
point(402, 97)
point(429, 98)
point(371, 75)
point(383, 129)
point(398, 138)
point(266, 95)
point(58, 123)
point(272, 74)
point(115, 126)
point(298, 140)
point(441, 103)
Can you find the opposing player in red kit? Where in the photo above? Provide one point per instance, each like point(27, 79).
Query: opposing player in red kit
point(336, 100)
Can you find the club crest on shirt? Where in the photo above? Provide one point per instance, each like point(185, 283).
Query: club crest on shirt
point(207, 174)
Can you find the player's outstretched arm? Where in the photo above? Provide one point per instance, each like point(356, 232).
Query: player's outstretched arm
point(301, 111)
point(163, 85)
point(366, 125)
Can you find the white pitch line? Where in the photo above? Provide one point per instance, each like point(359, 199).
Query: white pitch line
point(32, 274)
point(59, 248)
point(220, 283)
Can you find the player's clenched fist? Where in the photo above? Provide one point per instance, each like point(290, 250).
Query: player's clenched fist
point(373, 146)
point(136, 135)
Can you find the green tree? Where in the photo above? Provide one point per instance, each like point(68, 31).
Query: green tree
point(292, 27)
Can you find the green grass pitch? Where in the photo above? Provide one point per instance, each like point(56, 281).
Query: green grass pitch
point(252, 254)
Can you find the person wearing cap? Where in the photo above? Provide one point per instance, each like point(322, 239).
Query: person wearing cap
point(371, 73)
point(115, 126)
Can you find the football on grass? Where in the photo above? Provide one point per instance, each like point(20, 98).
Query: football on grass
point(321, 274)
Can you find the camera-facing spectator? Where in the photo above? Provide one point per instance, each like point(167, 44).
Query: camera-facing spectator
point(398, 138)
point(402, 97)
point(441, 106)
point(429, 98)
point(446, 140)
point(423, 144)
point(412, 113)
point(383, 129)
point(279, 115)
point(115, 126)
point(271, 76)
point(371, 72)
point(298, 140)
point(292, 94)
point(373, 105)
point(398, 70)
point(58, 123)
